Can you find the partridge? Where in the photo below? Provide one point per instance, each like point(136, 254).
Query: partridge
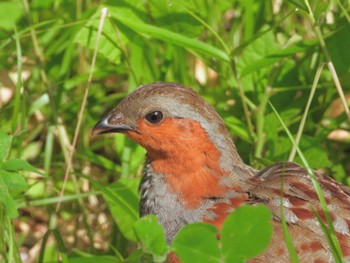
point(193, 173)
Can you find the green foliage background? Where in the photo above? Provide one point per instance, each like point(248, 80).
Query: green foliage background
point(237, 54)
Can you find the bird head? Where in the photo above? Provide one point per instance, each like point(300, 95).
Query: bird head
point(164, 118)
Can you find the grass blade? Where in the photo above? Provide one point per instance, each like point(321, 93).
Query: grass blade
point(172, 37)
point(333, 241)
point(306, 111)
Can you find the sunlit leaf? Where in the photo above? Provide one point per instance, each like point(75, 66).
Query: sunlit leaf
point(108, 46)
point(246, 233)
point(10, 13)
point(151, 235)
point(197, 243)
point(7, 200)
point(17, 165)
point(14, 181)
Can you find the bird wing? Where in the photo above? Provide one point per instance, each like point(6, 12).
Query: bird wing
point(290, 184)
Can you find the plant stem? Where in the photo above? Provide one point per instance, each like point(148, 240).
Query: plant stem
point(328, 60)
point(306, 111)
point(260, 122)
point(234, 71)
point(83, 106)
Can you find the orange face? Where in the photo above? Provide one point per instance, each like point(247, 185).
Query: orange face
point(181, 141)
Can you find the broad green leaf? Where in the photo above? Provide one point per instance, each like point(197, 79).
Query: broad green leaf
point(197, 243)
point(238, 127)
point(246, 233)
point(314, 152)
point(135, 257)
point(18, 164)
point(123, 201)
point(7, 199)
point(128, 9)
point(14, 181)
point(337, 45)
point(338, 172)
point(108, 44)
point(260, 63)
point(10, 13)
point(151, 236)
point(174, 17)
point(5, 141)
point(278, 54)
point(256, 54)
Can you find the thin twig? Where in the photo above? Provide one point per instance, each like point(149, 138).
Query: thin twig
point(104, 12)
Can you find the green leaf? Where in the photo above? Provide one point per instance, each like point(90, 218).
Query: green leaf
point(99, 160)
point(123, 201)
point(5, 141)
point(256, 54)
point(197, 243)
point(174, 17)
point(338, 44)
point(314, 152)
point(108, 43)
point(14, 181)
point(7, 199)
point(246, 233)
point(300, 4)
point(10, 13)
point(238, 127)
point(135, 257)
point(18, 164)
point(151, 235)
point(168, 36)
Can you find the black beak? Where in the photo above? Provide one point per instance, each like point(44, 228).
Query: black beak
point(103, 126)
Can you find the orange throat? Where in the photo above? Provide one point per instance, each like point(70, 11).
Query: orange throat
point(182, 151)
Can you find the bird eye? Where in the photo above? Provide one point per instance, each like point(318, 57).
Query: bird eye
point(154, 117)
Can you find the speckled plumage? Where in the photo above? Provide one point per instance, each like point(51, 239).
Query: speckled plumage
point(194, 173)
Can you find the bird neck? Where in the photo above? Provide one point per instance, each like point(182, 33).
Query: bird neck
point(196, 167)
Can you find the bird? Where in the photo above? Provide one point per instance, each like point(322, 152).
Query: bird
point(193, 173)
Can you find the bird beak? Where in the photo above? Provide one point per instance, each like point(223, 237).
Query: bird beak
point(104, 126)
